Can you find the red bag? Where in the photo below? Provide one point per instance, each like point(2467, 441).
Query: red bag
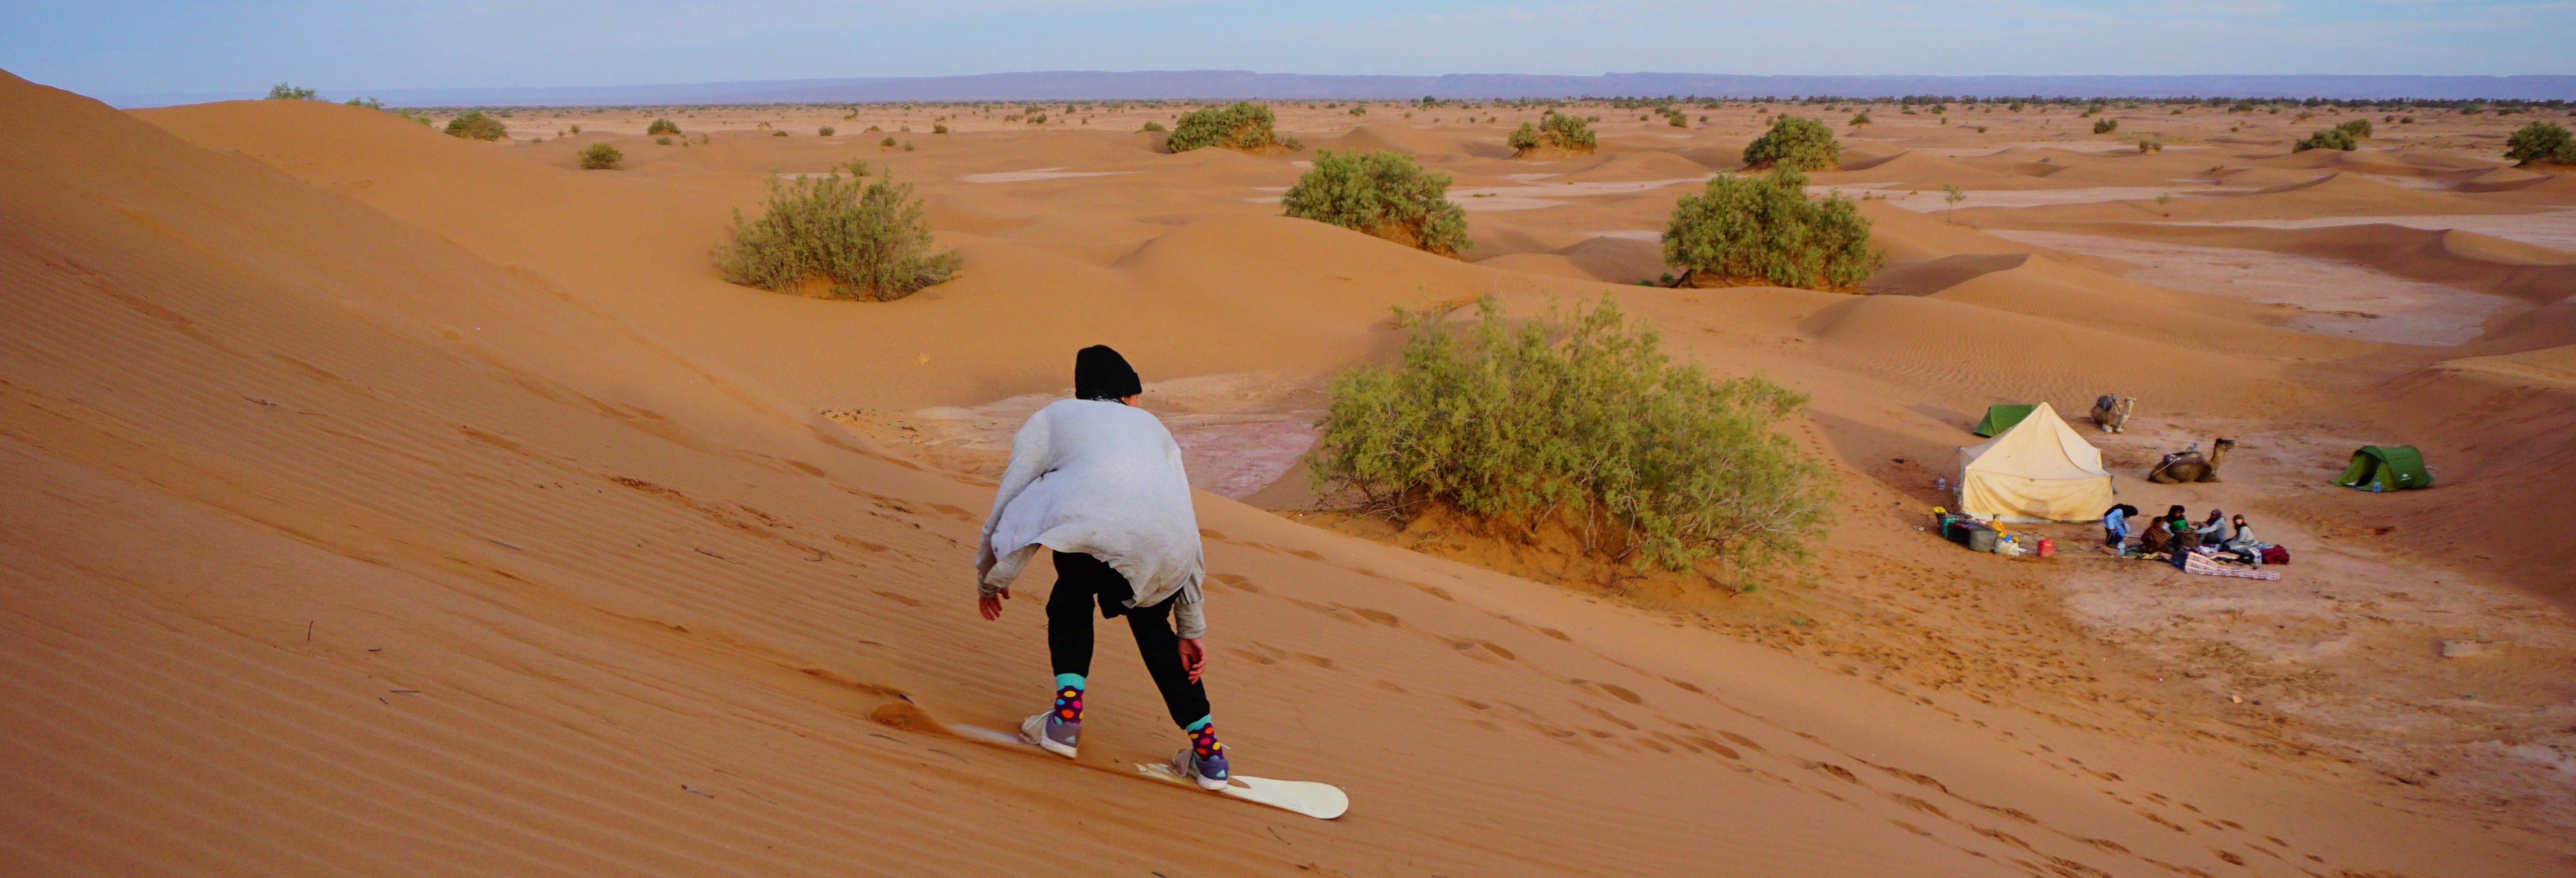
point(2276, 555)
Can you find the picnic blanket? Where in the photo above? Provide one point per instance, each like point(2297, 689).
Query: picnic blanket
point(2201, 564)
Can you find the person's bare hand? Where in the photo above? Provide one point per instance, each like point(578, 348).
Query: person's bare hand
point(1193, 657)
point(990, 604)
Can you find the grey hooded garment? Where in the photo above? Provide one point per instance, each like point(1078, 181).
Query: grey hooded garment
point(1103, 479)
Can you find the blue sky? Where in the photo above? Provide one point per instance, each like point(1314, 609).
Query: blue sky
point(345, 47)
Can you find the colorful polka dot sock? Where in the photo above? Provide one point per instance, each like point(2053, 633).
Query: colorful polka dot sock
point(1203, 742)
point(1068, 698)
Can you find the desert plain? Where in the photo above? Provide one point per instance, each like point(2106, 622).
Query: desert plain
point(383, 502)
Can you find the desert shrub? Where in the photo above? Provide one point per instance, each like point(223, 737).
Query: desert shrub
point(1766, 230)
point(1357, 110)
point(889, 141)
point(576, 129)
point(2105, 126)
point(1575, 420)
point(1242, 125)
point(2358, 128)
point(285, 92)
point(601, 157)
point(1151, 125)
point(2149, 144)
point(2330, 138)
point(662, 126)
point(1677, 119)
point(1383, 193)
point(1796, 143)
point(2541, 142)
point(938, 129)
point(825, 131)
point(867, 238)
point(1556, 132)
point(1859, 119)
point(369, 103)
point(778, 134)
point(473, 125)
point(665, 141)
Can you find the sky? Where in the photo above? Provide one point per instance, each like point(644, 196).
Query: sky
point(110, 47)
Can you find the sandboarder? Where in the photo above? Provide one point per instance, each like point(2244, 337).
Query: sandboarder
point(1099, 483)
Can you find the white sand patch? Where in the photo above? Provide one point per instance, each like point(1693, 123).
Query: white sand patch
point(1631, 234)
point(2555, 229)
point(1487, 199)
point(1529, 178)
point(1929, 200)
point(1037, 174)
point(2341, 299)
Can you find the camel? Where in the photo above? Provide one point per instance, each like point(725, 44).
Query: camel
point(2188, 465)
point(2111, 412)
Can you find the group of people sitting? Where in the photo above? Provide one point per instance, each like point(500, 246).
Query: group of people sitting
point(2173, 537)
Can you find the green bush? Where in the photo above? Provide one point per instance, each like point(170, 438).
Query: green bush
point(1152, 126)
point(825, 131)
point(473, 125)
point(1555, 132)
point(285, 92)
point(1383, 193)
point(867, 238)
point(2331, 138)
point(2541, 142)
point(665, 141)
point(2359, 128)
point(1796, 143)
point(1859, 119)
point(1243, 125)
point(1765, 230)
point(778, 134)
point(369, 103)
point(601, 157)
point(939, 129)
point(2105, 126)
point(661, 126)
point(1575, 420)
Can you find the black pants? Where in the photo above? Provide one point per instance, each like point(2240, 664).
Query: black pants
point(1082, 580)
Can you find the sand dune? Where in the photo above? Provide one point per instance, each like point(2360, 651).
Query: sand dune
point(385, 503)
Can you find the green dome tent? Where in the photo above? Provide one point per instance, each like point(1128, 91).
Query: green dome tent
point(2386, 468)
point(2002, 417)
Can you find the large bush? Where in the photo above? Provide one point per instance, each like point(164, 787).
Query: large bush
point(867, 239)
point(2541, 142)
point(661, 126)
point(2357, 127)
point(601, 157)
point(1555, 132)
point(1576, 421)
point(1382, 193)
point(473, 125)
point(2330, 138)
point(1242, 125)
point(1764, 230)
point(1796, 143)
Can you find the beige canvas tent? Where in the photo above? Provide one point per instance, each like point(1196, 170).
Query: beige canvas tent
point(2039, 470)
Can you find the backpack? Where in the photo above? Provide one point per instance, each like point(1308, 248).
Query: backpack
point(2276, 555)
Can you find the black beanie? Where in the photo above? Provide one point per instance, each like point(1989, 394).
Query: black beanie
point(1100, 373)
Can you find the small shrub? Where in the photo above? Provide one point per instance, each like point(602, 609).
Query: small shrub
point(369, 103)
point(938, 129)
point(1242, 126)
point(1383, 193)
point(825, 131)
point(907, 146)
point(473, 125)
point(1860, 119)
point(886, 142)
point(1554, 132)
point(1796, 143)
point(285, 92)
point(1579, 423)
point(2358, 128)
point(1765, 230)
point(601, 157)
point(662, 126)
point(665, 141)
point(1152, 126)
point(2541, 142)
point(867, 239)
point(2331, 138)
point(576, 129)
point(1357, 110)
point(1039, 119)
point(778, 134)
point(2149, 144)
point(2105, 126)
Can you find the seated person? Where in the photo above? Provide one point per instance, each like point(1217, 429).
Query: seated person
point(2214, 530)
point(2243, 543)
point(2158, 536)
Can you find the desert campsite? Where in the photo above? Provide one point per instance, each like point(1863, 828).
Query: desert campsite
point(1516, 475)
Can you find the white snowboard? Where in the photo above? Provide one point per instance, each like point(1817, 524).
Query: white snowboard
point(1321, 801)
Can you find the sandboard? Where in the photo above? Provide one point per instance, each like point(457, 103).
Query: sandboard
point(1321, 801)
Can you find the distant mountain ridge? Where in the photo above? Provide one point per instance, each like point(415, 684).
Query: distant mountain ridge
point(1201, 84)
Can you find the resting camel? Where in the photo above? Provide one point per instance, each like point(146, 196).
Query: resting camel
point(2188, 465)
point(2111, 412)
